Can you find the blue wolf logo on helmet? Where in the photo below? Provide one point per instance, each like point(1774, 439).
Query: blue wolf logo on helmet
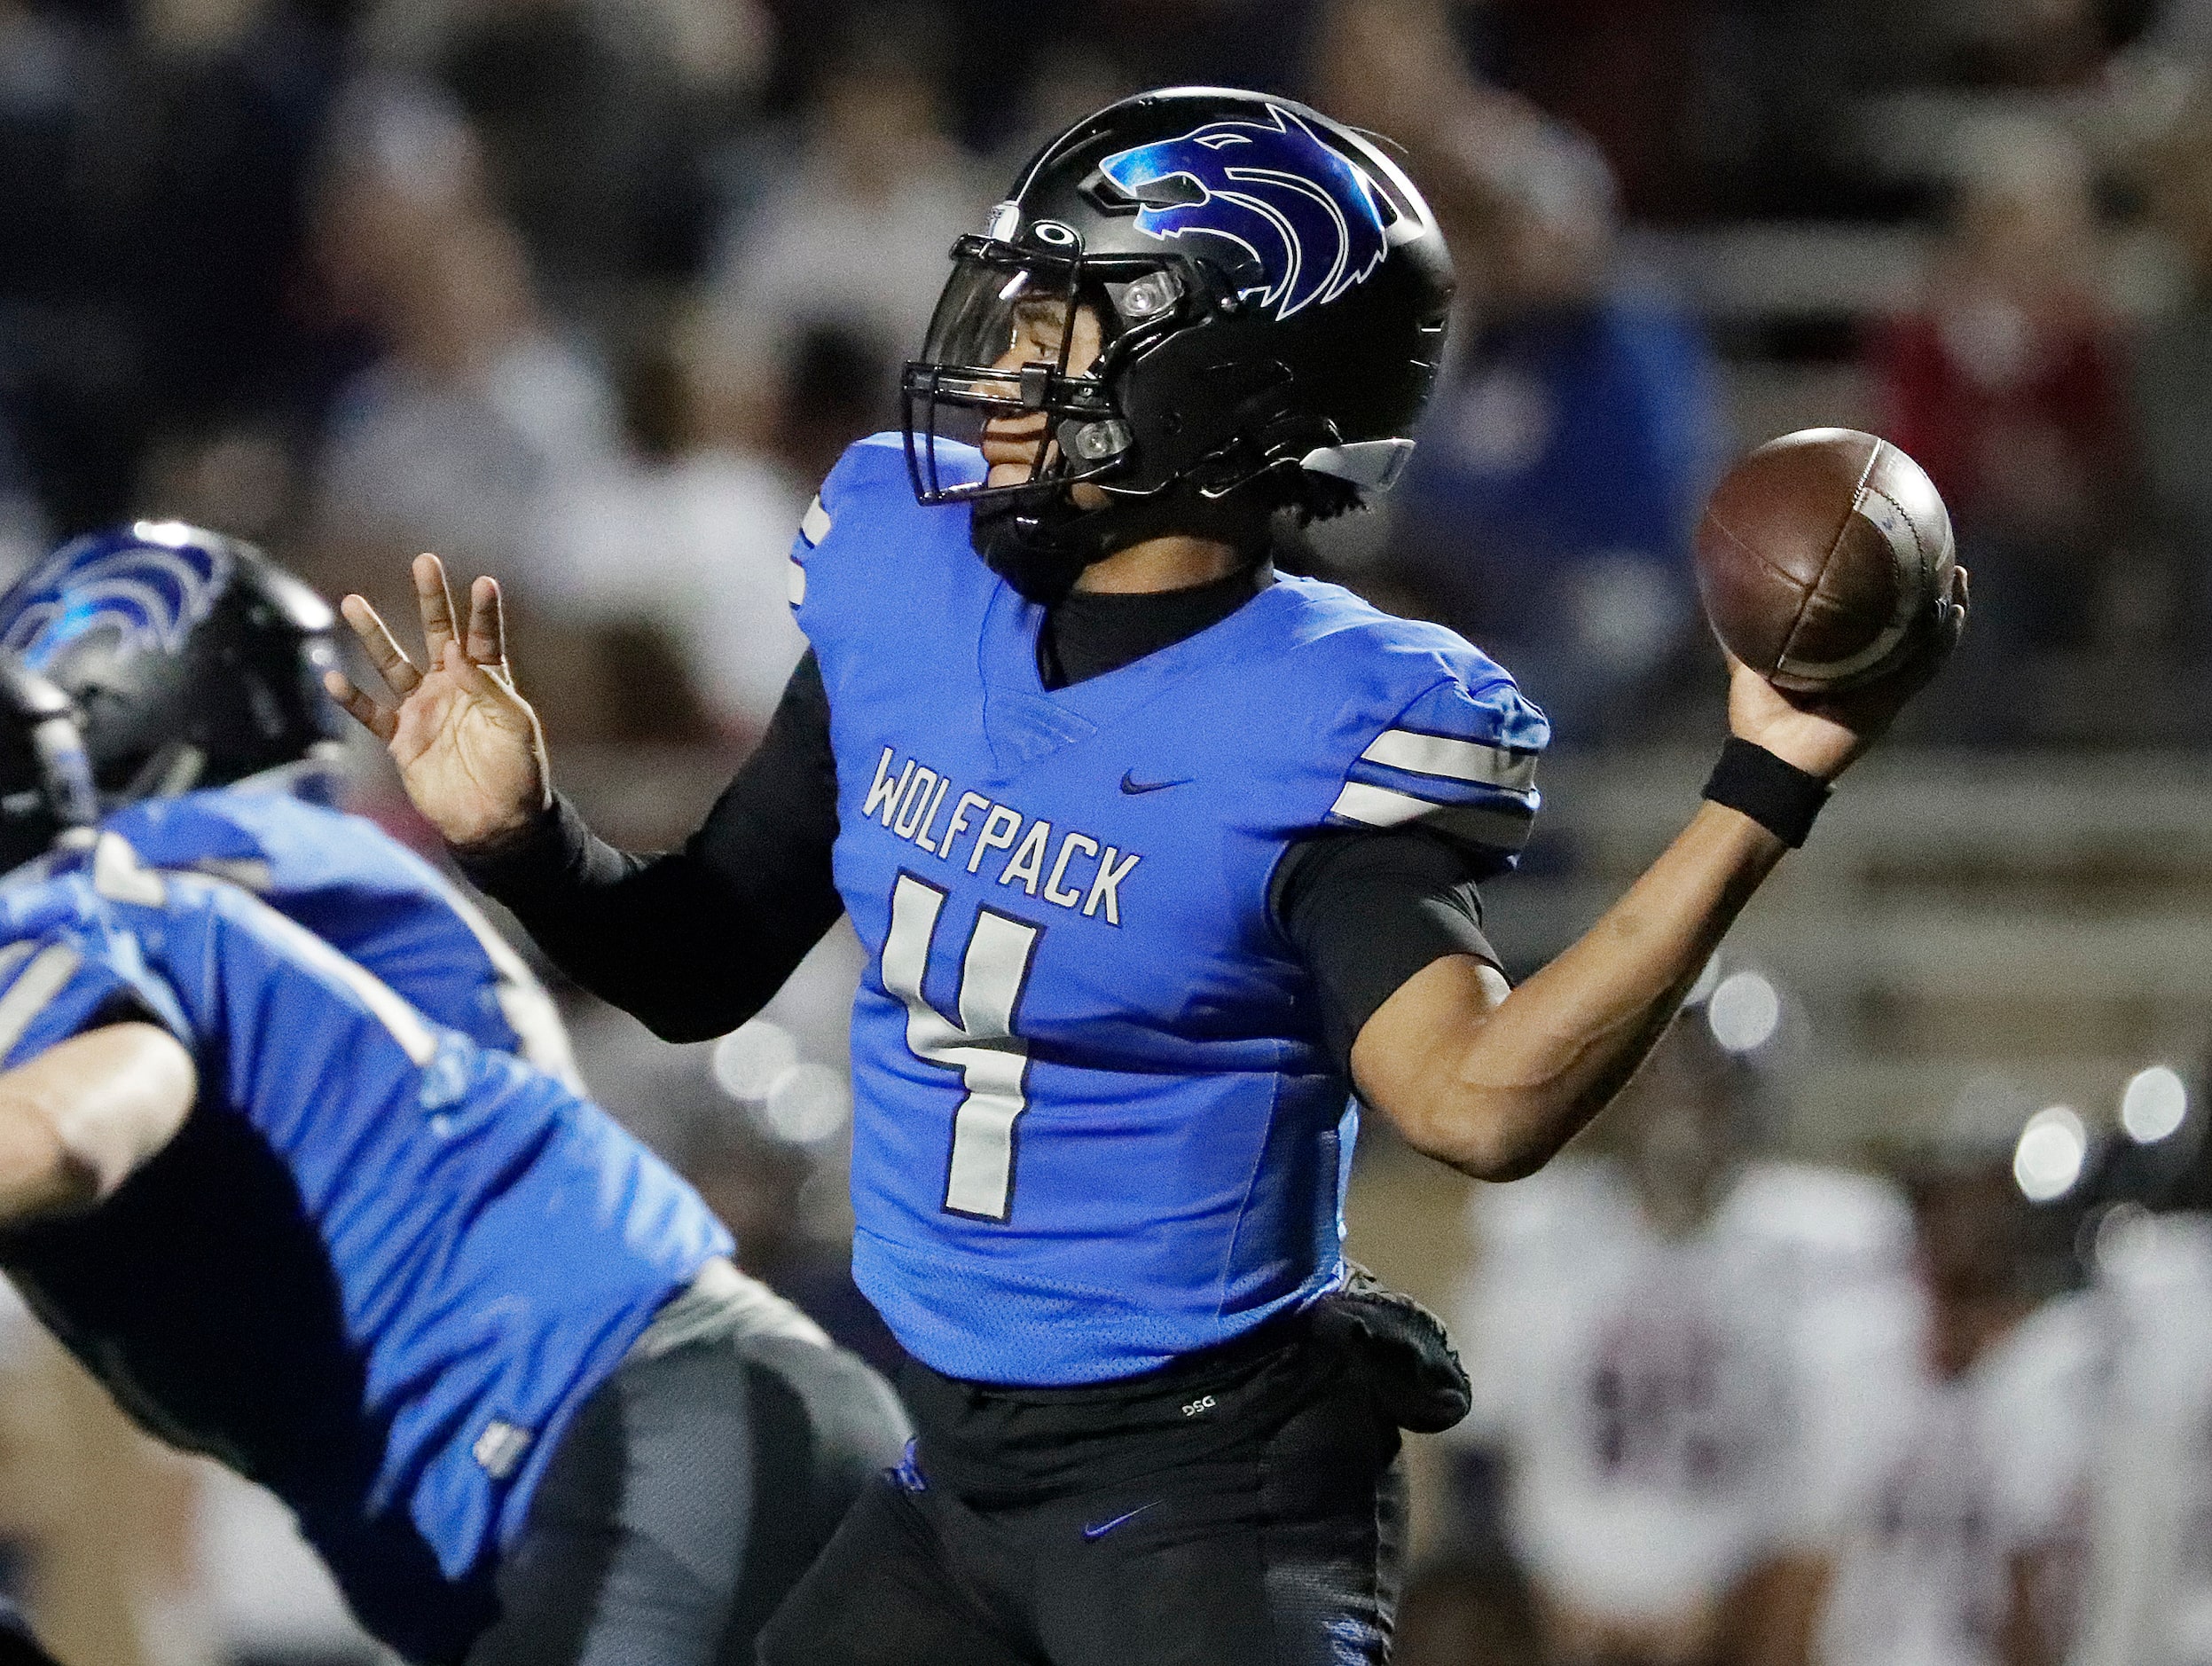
point(1306, 214)
point(148, 588)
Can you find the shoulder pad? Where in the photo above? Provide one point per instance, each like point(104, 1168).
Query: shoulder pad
point(64, 966)
point(1459, 758)
point(203, 821)
point(880, 460)
point(867, 494)
point(1423, 729)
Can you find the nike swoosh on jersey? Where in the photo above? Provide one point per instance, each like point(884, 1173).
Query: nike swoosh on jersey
point(1131, 785)
point(1104, 1528)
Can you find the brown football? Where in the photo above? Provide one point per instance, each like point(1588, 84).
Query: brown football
point(1823, 559)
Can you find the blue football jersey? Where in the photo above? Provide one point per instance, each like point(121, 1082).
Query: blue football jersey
point(1095, 1124)
point(378, 1267)
point(366, 894)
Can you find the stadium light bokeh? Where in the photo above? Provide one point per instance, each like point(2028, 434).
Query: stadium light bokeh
point(2053, 1150)
point(2155, 1104)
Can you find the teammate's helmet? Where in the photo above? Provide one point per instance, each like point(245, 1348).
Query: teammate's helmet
point(192, 659)
point(1271, 293)
point(45, 778)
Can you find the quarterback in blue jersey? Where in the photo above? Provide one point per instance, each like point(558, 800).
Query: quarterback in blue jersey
point(1165, 863)
point(490, 1350)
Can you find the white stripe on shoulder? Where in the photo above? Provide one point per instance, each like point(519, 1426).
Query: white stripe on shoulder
point(815, 527)
point(247, 872)
point(794, 585)
point(1497, 766)
point(119, 876)
point(1504, 827)
point(46, 977)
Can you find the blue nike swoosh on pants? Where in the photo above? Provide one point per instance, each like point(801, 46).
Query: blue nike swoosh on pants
point(1104, 1527)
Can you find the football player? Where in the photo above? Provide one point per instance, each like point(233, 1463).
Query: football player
point(1155, 853)
point(489, 1351)
point(195, 663)
point(1660, 1345)
point(2148, 1598)
point(1963, 1538)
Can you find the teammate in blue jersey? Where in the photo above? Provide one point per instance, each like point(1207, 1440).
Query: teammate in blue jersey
point(490, 1350)
point(195, 661)
point(1160, 859)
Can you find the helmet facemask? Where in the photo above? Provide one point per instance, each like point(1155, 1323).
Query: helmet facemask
point(1003, 348)
point(45, 778)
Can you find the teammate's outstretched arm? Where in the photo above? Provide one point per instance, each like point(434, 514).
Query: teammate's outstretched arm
point(78, 1120)
point(1495, 1082)
point(469, 749)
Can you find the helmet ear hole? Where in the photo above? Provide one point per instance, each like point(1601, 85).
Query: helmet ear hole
point(1095, 443)
point(1147, 299)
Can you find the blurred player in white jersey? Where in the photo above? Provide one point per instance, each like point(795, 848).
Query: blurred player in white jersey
point(1661, 1345)
point(1964, 1546)
point(2149, 1595)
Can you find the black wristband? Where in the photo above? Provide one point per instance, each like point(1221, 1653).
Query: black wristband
point(1780, 797)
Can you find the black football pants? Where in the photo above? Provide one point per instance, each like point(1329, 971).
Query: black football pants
point(1243, 1508)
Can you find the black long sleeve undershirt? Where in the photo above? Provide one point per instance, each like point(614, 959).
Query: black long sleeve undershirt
point(693, 942)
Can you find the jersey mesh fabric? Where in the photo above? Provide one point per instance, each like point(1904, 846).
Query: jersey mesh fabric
point(379, 1266)
point(1096, 1125)
point(358, 889)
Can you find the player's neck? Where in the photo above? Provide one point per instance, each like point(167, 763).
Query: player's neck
point(1174, 561)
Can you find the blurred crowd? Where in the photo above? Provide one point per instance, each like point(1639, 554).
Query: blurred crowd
point(589, 293)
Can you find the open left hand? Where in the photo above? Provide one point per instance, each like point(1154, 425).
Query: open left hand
point(469, 750)
point(1823, 735)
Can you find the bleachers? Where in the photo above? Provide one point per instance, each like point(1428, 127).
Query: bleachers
point(2047, 919)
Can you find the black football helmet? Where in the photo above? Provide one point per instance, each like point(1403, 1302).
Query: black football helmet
point(1270, 293)
point(192, 659)
point(45, 778)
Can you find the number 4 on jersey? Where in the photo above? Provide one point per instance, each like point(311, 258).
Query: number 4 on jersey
point(992, 1060)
